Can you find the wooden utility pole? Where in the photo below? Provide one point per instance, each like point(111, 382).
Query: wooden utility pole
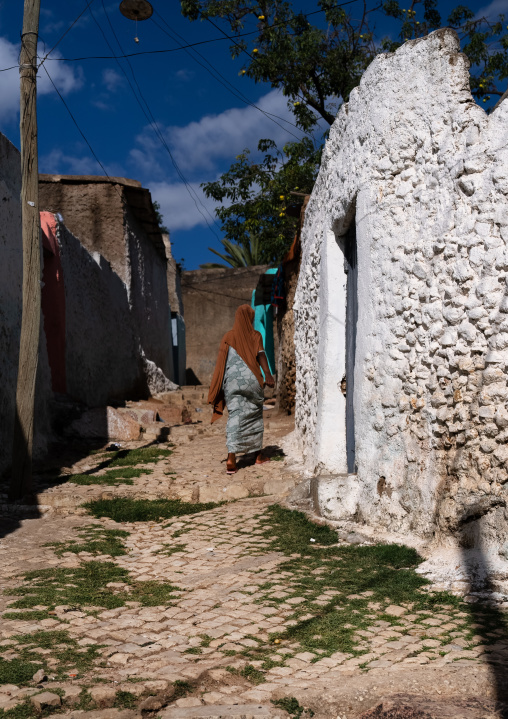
point(21, 482)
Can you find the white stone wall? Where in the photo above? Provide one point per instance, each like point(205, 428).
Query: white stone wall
point(423, 171)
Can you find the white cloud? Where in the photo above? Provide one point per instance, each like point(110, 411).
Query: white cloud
point(58, 162)
point(178, 207)
point(112, 79)
point(492, 10)
point(201, 149)
point(198, 146)
point(66, 79)
point(185, 75)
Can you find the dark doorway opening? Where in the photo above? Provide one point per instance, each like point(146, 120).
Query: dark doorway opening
point(351, 269)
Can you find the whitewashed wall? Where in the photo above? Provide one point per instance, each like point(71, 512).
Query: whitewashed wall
point(424, 173)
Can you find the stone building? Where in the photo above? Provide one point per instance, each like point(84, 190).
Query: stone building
point(401, 309)
point(114, 220)
point(105, 315)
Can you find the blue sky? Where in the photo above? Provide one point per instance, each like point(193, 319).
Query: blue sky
point(201, 122)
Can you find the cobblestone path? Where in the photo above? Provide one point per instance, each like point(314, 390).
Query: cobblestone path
point(217, 644)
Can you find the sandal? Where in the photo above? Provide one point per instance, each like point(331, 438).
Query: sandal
point(231, 470)
point(262, 461)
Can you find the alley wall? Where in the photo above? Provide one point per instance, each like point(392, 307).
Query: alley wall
point(422, 172)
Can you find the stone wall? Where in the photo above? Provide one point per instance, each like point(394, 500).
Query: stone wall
point(101, 348)
point(423, 172)
point(286, 359)
point(211, 298)
point(115, 217)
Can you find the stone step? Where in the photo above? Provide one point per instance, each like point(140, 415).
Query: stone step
point(185, 432)
point(222, 711)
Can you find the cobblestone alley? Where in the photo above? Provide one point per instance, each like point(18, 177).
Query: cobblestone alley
point(232, 605)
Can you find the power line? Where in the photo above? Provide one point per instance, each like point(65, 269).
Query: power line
point(217, 27)
point(183, 47)
point(152, 122)
point(79, 129)
point(67, 31)
point(224, 82)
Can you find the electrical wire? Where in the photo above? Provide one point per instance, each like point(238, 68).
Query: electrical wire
point(80, 130)
point(217, 27)
point(223, 81)
point(66, 32)
point(152, 122)
point(177, 49)
point(149, 52)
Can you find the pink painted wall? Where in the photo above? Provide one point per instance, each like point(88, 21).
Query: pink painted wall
point(53, 302)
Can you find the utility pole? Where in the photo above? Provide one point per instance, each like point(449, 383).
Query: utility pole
point(21, 482)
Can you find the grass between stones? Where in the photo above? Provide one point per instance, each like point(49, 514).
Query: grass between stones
point(133, 457)
point(54, 651)
point(169, 549)
point(339, 589)
point(122, 466)
point(112, 477)
point(124, 509)
point(97, 540)
point(292, 707)
point(84, 586)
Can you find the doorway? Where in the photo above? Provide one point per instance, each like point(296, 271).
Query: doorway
point(351, 270)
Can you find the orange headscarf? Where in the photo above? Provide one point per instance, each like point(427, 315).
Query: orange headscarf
point(247, 343)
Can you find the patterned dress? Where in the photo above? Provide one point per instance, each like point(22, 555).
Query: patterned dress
point(244, 400)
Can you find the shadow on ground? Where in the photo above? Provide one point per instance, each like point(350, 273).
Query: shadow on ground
point(273, 452)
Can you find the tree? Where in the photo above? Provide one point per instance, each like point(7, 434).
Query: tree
point(245, 255)
point(259, 194)
point(316, 66)
point(160, 220)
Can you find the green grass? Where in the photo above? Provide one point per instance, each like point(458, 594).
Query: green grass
point(22, 711)
point(386, 572)
point(169, 549)
point(112, 477)
point(97, 540)
point(182, 688)
point(252, 674)
point(123, 509)
point(248, 672)
point(143, 455)
point(125, 700)
point(86, 586)
point(292, 707)
point(65, 651)
point(17, 671)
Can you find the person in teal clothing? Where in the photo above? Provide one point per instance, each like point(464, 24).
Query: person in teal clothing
point(237, 384)
point(263, 323)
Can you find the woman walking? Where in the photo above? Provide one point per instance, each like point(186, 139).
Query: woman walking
point(237, 384)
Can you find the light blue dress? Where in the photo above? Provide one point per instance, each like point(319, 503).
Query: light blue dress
point(244, 400)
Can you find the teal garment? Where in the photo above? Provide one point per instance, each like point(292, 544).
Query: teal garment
point(244, 399)
point(263, 323)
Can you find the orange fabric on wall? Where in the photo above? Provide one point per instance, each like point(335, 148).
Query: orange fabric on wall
point(247, 342)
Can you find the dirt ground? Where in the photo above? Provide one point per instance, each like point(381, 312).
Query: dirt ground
point(204, 614)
